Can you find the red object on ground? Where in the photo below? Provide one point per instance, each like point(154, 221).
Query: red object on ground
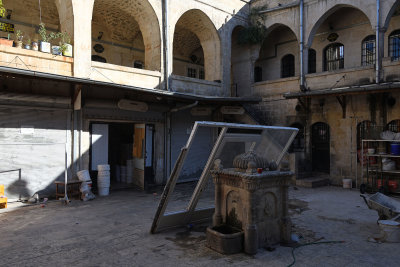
point(259, 170)
point(393, 185)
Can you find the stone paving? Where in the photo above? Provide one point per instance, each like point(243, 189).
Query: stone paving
point(114, 231)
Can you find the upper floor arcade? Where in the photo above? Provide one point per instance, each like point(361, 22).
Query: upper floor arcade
point(176, 45)
point(322, 45)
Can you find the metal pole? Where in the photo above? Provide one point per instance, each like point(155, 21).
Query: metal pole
point(166, 43)
point(203, 178)
point(302, 76)
point(378, 46)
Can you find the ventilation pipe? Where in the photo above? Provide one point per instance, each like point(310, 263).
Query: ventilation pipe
point(302, 76)
point(165, 44)
point(378, 58)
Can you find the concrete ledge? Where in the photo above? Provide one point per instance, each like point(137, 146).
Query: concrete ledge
point(313, 182)
point(35, 61)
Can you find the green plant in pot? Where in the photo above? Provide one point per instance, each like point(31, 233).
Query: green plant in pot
point(19, 35)
point(65, 46)
point(55, 49)
point(44, 45)
point(27, 45)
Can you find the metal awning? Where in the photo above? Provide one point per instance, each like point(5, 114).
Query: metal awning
point(350, 90)
point(140, 90)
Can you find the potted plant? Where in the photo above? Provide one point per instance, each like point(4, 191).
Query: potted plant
point(6, 41)
point(55, 49)
point(44, 44)
point(20, 37)
point(27, 45)
point(65, 46)
point(35, 46)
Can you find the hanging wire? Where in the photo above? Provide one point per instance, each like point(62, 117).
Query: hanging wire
point(40, 13)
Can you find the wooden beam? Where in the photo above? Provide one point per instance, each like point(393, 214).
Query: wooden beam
point(305, 104)
point(342, 101)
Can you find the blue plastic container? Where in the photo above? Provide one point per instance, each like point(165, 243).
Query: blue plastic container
point(395, 149)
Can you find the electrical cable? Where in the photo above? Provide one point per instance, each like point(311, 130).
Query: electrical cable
point(311, 243)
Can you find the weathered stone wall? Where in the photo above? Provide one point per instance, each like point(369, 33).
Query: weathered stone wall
point(352, 23)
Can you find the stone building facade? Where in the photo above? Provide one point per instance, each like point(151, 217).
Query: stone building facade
point(330, 68)
point(142, 72)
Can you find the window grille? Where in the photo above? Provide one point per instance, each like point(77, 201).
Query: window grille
point(368, 53)
point(191, 72)
point(334, 57)
point(201, 74)
point(394, 126)
point(287, 66)
point(394, 45)
point(312, 61)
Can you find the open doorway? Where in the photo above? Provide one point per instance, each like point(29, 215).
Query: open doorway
point(127, 148)
point(320, 138)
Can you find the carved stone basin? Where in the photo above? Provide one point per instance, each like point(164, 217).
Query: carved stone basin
point(225, 239)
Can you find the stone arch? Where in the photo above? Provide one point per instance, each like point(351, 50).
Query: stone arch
point(332, 6)
point(279, 22)
point(202, 36)
point(127, 21)
point(280, 40)
point(66, 14)
point(390, 14)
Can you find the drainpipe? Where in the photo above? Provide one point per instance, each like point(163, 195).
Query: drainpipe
point(165, 44)
point(378, 46)
point(302, 76)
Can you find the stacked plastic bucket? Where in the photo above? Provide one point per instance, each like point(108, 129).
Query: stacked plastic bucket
point(84, 177)
point(103, 179)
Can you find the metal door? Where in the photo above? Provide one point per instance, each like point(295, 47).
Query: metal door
point(149, 153)
point(320, 140)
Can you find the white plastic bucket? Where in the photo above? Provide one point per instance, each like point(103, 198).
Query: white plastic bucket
point(347, 183)
point(104, 191)
point(83, 176)
point(103, 167)
point(390, 231)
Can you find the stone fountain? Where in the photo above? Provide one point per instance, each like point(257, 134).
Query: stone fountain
point(251, 205)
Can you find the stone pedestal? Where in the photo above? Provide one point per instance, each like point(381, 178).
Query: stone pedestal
point(255, 203)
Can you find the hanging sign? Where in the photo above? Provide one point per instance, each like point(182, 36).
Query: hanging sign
point(232, 110)
point(332, 37)
point(200, 111)
point(131, 105)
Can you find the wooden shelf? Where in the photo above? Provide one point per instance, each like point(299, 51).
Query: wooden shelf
point(387, 172)
point(383, 155)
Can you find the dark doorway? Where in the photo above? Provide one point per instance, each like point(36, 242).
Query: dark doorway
point(320, 140)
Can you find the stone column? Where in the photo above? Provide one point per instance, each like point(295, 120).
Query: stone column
point(217, 217)
point(380, 48)
point(82, 13)
point(250, 229)
point(226, 46)
point(286, 223)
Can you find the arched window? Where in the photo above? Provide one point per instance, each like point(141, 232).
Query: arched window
point(257, 74)
point(287, 66)
point(312, 61)
point(368, 51)
point(334, 57)
point(394, 45)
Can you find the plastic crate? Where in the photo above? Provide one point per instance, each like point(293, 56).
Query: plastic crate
point(3, 202)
